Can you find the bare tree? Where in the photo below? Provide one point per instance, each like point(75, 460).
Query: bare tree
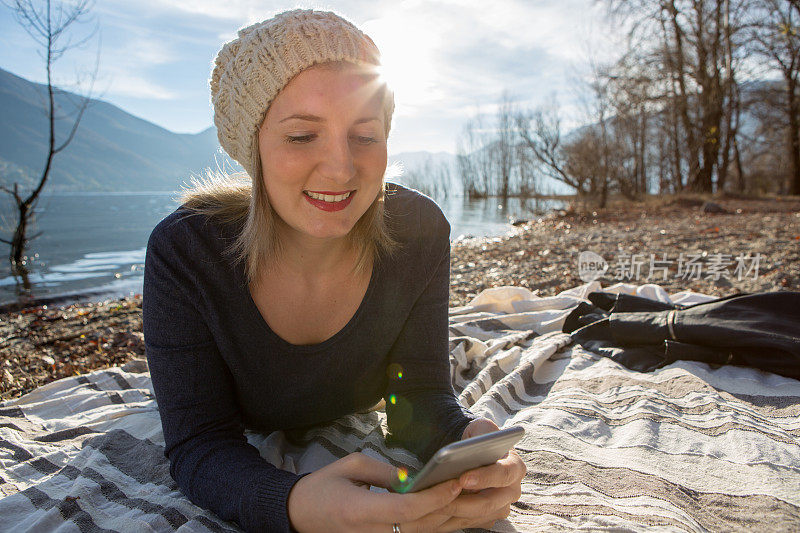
point(488, 157)
point(49, 26)
point(776, 36)
point(527, 185)
point(598, 140)
point(698, 45)
point(632, 93)
point(540, 132)
point(430, 177)
point(769, 170)
point(505, 146)
point(475, 158)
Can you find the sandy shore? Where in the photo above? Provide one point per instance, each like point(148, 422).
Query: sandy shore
point(690, 249)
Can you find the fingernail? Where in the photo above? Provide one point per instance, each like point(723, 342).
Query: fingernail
point(469, 482)
point(456, 488)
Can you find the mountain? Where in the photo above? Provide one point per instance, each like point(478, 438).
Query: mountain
point(112, 149)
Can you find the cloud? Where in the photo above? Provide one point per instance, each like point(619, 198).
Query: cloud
point(123, 83)
point(250, 11)
point(133, 63)
point(460, 53)
point(452, 53)
point(450, 56)
point(242, 11)
point(144, 51)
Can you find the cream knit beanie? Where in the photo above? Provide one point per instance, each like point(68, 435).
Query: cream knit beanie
point(251, 70)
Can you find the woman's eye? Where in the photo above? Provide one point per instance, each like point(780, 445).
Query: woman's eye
point(300, 139)
point(365, 140)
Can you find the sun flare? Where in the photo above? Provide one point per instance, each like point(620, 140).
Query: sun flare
point(407, 63)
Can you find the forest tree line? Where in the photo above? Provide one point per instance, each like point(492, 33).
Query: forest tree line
point(704, 98)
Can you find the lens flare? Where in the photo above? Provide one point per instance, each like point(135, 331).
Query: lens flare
point(394, 371)
point(401, 484)
point(401, 413)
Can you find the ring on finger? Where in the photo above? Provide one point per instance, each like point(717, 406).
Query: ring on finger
point(395, 528)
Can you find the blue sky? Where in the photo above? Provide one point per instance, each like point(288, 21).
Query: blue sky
point(445, 58)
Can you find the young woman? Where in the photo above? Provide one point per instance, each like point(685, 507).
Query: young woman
point(308, 292)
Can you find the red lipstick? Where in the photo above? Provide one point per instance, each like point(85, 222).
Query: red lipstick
point(330, 206)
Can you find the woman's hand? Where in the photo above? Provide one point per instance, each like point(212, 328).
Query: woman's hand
point(337, 498)
point(489, 490)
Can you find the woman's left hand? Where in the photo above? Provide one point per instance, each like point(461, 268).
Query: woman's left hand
point(489, 490)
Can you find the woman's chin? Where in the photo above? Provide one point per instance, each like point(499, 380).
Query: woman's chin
point(329, 234)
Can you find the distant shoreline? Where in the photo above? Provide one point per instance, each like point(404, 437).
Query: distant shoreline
point(92, 244)
point(572, 211)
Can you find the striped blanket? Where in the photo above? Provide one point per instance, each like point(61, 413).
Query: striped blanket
point(685, 448)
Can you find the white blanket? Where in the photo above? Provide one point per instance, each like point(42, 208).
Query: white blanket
point(685, 448)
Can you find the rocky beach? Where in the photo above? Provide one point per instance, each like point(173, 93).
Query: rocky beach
point(722, 247)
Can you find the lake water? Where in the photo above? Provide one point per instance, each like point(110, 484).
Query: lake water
point(92, 245)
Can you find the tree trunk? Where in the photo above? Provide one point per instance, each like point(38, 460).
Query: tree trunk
point(710, 98)
point(19, 240)
point(731, 110)
point(793, 132)
point(677, 61)
point(642, 156)
point(739, 168)
point(678, 182)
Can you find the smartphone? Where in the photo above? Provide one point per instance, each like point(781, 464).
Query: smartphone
point(456, 458)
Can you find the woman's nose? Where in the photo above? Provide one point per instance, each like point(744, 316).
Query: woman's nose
point(337, 160)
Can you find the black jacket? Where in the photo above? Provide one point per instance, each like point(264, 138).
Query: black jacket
point(759, 330)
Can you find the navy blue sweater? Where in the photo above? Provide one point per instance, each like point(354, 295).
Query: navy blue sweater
point(217, 367)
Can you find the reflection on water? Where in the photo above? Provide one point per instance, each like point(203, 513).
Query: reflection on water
point(491, 216)
point(90, 242)
point(94, 243)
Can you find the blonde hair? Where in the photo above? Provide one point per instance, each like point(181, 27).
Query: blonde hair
point(241, 201)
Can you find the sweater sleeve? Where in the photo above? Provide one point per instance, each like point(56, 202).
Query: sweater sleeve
point(422, 411)
point(210, 458)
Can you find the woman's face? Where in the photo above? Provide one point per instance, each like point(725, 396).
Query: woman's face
point(323, 136)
